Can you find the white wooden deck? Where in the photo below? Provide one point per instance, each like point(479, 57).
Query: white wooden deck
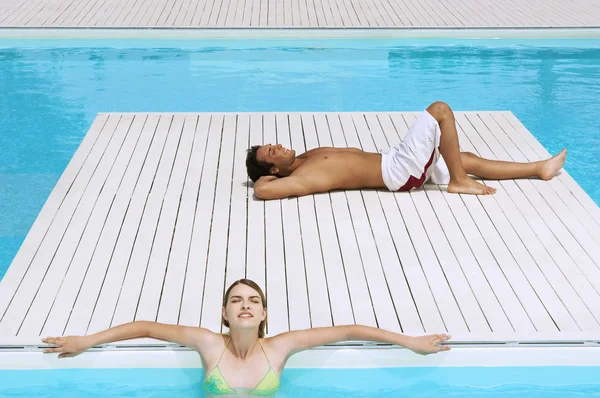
point(299, 13)
point(154, 217)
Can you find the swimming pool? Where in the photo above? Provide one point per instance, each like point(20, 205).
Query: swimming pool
point(52, 90)
point(563, 382)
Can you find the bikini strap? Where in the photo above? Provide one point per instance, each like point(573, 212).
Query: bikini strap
point(264, 352)
point(223, 352)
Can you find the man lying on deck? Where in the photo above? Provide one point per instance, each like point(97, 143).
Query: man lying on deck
point(278, 173)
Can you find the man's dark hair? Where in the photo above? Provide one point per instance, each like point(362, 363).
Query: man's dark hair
point(255, 167)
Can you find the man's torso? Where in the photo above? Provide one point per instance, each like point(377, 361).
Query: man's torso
point(341, 168)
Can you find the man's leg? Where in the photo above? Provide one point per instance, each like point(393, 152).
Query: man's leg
point(460, 182)
point(498, 170)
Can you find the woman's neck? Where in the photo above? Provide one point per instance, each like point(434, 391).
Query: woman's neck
point(242, 343)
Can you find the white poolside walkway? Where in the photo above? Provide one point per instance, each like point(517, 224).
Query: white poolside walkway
point(154, 217)
point(299, 13)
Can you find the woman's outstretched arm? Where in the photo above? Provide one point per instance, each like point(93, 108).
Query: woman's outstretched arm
point(296, 341)
point(70, 346)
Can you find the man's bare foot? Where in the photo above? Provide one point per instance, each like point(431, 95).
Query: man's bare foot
point(551, 166)
point(470, 186)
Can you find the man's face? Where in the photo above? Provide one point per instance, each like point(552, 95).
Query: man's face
point(281, 157)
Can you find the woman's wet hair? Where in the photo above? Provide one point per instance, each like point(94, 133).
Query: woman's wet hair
point(253, 285)
point(255, 167)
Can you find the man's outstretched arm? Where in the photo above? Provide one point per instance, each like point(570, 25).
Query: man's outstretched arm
point(271, 187)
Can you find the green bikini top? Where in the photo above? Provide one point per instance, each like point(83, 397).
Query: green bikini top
point(215, 383)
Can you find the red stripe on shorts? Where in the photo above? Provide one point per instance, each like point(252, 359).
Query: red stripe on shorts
point(414, 182)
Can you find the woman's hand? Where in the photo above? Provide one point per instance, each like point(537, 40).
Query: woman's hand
point(67, 346)
point(428, 344)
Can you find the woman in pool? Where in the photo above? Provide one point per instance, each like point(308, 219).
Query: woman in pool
point(243, 362)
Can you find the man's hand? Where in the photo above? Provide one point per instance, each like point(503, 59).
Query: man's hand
point(428, 344)
point(67, 346)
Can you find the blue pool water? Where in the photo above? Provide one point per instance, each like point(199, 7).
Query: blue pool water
point(50, 92)
point(472, 382)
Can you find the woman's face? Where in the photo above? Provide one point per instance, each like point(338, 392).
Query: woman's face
point(244, 308)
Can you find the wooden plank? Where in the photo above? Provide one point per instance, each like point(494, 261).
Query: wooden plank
point(89, 18)
point(423, 18)
point(169, 13)
point(37, 265)
point(223, 14)
point(132, 11)
point(191, 13)
point(529, 237)
point(316, 282)
point(329, 256)
point(451, 283)
point(243, 9)
point(153, 285)
point(148, 235)
point(7, 8)
point(115, 243)
point(82, 284)
point(178, 264)
point(298, 299)
point(562, 285)
point(566, 253)
point(351, 18)
point(388, 311)
point(383, 13)
point(45, 220)
point(392, 9)
point(359, 294)
point(331, 14)
point(288, 13)
point(512, 267)
point(102, 13)
point(74, 17)
point(202, 12)
point(23, 14)
point(141, 14)
point(238, 220)
point(271, 14)
point(489, 265)
point(251, 13)
point(184, 14)
point(343, 13)
point(70, 263)
point(51, 12)
point(256, 250)
point(195, 279)
point(276, 290)
point(519, 134)
point(114, 9)
point(411, 266)
point(298, 13)
point(319, 13)
point(558, 195)
point(157, 12)
point(262, 10)
point(117, 10)
point(366, 136)
point(103, 306)
point(500, 143)
point(217, 250)
point(495, 317)
point(462, 12)
point(211, 12)
point(439, 268)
